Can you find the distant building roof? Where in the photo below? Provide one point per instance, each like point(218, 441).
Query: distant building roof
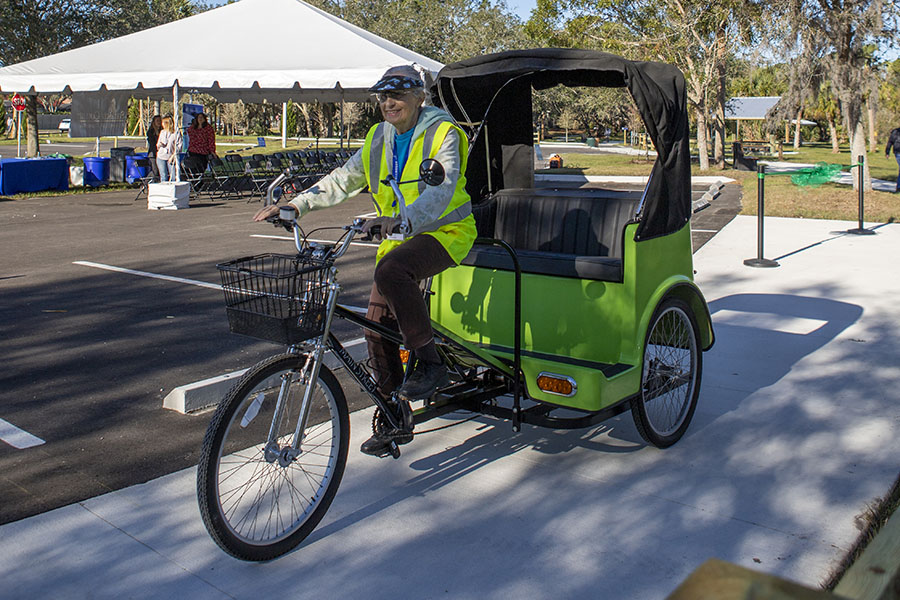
point(754, 108)
point(749, 107)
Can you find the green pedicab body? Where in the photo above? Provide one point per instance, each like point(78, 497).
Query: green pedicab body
point(590, 331)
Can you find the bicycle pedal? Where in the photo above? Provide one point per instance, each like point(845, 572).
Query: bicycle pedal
point(394, 450)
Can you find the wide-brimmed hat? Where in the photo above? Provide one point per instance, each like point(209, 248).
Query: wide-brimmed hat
point(404, 77)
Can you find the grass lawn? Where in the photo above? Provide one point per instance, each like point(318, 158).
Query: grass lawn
point(783, 198)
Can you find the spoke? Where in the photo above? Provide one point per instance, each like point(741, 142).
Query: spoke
point(668, 372)
point(261, 502)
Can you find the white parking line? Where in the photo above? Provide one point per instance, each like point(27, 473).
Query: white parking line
point(17, 438)
point(85, 263)
point(212, 286)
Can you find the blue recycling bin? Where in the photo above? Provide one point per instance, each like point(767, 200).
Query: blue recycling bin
point(96, 171)
point(133, 172)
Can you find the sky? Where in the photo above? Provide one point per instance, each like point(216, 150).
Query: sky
point(522, 8)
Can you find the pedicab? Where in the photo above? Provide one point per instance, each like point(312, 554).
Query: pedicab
point(576, 304)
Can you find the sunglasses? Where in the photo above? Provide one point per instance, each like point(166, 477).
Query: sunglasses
point(394, 95)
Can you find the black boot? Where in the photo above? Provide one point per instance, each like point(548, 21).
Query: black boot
point(380, 444)
point(385, 438)
point(425, 380)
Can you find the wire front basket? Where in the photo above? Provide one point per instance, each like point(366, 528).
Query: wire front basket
point(275, 297)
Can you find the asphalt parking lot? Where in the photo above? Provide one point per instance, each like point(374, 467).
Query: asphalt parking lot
point(90, 352)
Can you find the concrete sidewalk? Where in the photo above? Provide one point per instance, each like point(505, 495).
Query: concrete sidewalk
point(797, 430)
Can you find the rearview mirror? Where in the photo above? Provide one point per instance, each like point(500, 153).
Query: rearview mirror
point(431, 172)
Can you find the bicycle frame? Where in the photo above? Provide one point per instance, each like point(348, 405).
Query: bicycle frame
point(466, 395)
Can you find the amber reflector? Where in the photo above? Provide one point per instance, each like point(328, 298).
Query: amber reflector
point(555, 385)
point(404, 355)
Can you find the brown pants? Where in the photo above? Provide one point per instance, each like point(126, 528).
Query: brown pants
point(396, 301)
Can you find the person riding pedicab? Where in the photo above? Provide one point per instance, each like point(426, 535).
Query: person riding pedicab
point(441, 229)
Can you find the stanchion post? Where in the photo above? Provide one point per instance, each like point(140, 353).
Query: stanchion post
point(759, 261)
point(860, 229)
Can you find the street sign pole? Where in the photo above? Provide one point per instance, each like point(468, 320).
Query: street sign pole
point(18, 103)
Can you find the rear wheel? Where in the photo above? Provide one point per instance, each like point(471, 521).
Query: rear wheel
point(257, 500)
point(670, 378)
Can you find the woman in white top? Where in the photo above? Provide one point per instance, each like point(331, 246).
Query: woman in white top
point(167, 146)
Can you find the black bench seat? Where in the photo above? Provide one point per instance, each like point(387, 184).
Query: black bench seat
point(561, 232)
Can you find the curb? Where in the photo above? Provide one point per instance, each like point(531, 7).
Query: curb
point(199, 395)
point(708, 196)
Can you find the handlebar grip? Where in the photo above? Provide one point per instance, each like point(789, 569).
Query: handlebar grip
point(371, 233)
point(278, 222)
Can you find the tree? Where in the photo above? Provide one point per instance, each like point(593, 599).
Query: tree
point(291, 125)
point(31, 29)
point(234, 115)
point(698, 36)
point(888, 116)
point(826, 109)
point(447, 30)
point(843, 35)
point(593, 110)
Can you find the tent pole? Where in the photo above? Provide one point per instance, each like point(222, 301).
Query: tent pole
point(284, 124)
point(177, 128)
point(342, 121)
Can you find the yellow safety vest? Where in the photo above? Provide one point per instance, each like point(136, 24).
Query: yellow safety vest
point(455, 228)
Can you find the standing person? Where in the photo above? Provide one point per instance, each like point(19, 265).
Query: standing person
point(152, 138)
point(893, 143)
point(167, 146)
point(201, 143)
point(440, 222)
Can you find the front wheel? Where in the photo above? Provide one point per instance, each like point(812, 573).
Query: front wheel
point(670, 378)
point(257, 499)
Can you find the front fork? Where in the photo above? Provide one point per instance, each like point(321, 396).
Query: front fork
point(309, 375)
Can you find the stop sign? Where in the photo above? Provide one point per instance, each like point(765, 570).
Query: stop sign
point(18, 102)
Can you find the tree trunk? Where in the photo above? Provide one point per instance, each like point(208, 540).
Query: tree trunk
point(719, 123)
point(857, 149)
point(832, 129)
point(870, 110)
point(702, 143)
point(34, 145)
point(797, 128)
point(304, 112)
point(852, 112)
point(328, 117)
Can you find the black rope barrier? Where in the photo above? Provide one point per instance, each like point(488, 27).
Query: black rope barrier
point(760, 261)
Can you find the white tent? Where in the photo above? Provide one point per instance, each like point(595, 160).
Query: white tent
point(252, 49)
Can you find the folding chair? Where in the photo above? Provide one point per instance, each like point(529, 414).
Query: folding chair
point(237, 179)
point(145, 181)
point(261, 175)
point(194, 174)
point(295, 164)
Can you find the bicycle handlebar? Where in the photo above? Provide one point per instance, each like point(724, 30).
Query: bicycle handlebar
point(430, 171)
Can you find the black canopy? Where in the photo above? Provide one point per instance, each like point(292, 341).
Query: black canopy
point(491, 94)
